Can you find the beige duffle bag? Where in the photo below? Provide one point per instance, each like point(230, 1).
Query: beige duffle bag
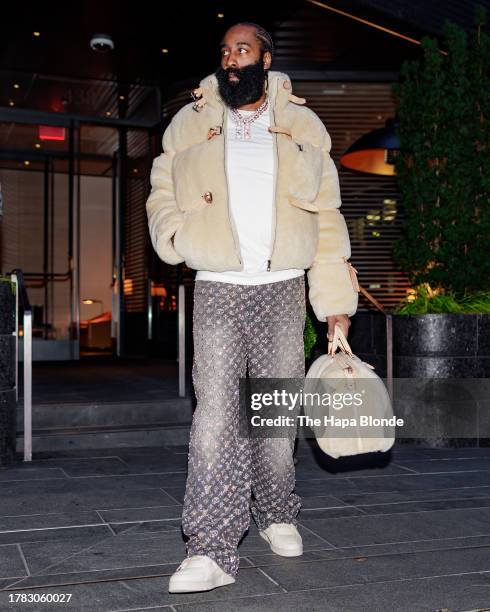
point(342, 374)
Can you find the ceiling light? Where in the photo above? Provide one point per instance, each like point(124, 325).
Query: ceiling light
point(36, 34)
point(37, 145)
point(27, 163)
point(16, 86)
point(164, 50)
point(11, 103)
point(108, 113)
point(102, 43)
point(220, 15)
point(122, 97)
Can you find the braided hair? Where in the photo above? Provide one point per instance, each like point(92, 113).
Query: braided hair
point(262, 35)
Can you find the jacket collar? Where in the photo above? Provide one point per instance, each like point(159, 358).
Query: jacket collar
point(279, 84)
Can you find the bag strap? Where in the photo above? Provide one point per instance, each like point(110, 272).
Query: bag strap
point(372, 299)
point(339, 340)
point(359, 288)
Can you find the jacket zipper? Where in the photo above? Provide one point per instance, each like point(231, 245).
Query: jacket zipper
point(230, 217)
point(274, 204)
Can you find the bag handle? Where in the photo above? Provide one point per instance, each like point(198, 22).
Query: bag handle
point(339, 341)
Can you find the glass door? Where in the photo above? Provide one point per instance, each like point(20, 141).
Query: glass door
point(37, 229)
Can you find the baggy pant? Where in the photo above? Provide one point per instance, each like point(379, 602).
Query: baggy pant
point(234, 326)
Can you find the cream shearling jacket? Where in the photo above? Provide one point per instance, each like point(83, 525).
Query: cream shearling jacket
point(188, 213)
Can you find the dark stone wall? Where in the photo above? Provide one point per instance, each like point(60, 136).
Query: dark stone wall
point(7, 375)
point(425, 346)
point(435, 346)
point(442, 346)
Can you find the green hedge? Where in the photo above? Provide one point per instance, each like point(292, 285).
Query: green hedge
point(443, 170)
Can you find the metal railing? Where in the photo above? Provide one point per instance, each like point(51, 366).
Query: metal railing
point(22, 300)
point(181, 339)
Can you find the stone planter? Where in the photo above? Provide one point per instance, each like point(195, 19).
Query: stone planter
point(367, 338)
point(437, 348)
point(7, 375)
point(442, 346)
point(447, 347)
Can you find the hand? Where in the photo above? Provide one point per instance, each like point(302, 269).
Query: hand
point(342, 320)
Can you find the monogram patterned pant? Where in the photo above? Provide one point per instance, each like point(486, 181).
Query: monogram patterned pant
point(235, 326)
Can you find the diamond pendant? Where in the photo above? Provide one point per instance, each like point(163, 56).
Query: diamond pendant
point(243, 127)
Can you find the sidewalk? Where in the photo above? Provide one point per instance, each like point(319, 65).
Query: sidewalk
point(407, 531)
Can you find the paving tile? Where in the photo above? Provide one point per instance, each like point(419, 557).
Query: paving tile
point(11, 563)
point(89, 554)
point(406, 524)
point(154, 451)
point(46, 555)
point(423, 506)
point(407, 452)
point(158, 462)
point(48, 521)
point(392, 497)
point(136, 481)
point(332, 486)
point(43, 580)
point(146, 527)
point(467, 542)
point(176, 492)
point(74, 494)
point(130, 482)
point(465, 592)
point(99, 466)
point(30, 473)
point(307, 472)
point(350, 531)
point(441, 453)
point(372, 550)
point(337, 572)
point(324, 513)
point(141, 593)
point(322, 501)
point(88, 453)
point(413, 482)
point(154, 513)
point(462, 464)
point(42, 535)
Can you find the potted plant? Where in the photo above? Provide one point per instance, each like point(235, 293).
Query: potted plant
point(443, 174)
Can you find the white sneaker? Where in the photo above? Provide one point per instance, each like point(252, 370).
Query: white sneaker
point(198, 573)
point(284, 539)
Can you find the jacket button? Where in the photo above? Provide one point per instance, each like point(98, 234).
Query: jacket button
point(208, 197)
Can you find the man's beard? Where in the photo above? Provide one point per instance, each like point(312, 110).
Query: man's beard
point(247, 89)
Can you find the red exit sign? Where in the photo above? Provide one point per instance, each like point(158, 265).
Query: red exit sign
point(49, 132)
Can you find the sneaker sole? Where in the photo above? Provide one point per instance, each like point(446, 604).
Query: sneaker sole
point(282, 552)
point(199, 587)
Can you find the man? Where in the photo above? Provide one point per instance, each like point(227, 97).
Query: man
point(246, 193)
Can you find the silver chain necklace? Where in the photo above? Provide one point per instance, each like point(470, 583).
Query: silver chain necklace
point(243, 126)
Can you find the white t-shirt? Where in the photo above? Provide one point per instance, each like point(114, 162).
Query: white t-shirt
point(250, 170)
